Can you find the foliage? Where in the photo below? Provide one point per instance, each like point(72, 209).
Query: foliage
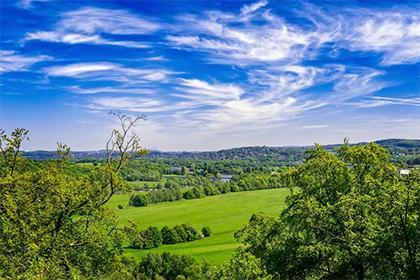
point(169, 267)
point(350, 217)
point(242, 266)
point(152, 237)
point(138, 200)
point(54, 224)
point(198, 187)
point(206, 231)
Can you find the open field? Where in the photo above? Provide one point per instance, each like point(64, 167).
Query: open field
point(224, 213)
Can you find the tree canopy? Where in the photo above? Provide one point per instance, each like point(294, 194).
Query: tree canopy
point(350, 216)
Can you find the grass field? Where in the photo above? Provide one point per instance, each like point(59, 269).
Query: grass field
point(223, 213)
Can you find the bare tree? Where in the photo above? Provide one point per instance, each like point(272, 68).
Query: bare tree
point(124, 142)
point(122, 145)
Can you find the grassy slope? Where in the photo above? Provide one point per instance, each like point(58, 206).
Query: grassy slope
point(223, 213)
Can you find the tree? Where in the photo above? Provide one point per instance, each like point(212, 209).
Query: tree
point(169, 236)
point(242, 266)
point(138, 200)
point(206, 231)
point(152, 238)
point(54, 224)
point(349, 216)
point(188, 195)
point(169, 267)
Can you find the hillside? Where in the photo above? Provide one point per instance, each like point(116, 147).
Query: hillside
point(401, 150)
point(224, 214)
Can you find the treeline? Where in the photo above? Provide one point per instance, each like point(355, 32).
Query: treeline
point(156, 169)
point(203, 187)
point(152, 237)
point(141, 170)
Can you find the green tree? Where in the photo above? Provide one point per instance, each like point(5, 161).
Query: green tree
point(349, 216)
point(169, 236)
point(169, 267)
point(206, 231)
point(53, 224)
point(138, 200)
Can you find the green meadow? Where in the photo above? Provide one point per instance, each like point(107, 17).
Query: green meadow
point(224, 213)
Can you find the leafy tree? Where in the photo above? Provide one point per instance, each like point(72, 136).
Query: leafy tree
point(152, 238)
point(169, 236)
point(138, 200)
point(188, 194)
point(53, 224)
point(169, 267)
point(206, 231)
point(242, 266)
point(350, 216)
point(133, 234)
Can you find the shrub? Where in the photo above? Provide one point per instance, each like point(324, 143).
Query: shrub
point(152, 238)
point(234, 188)
point(169, 266)
point(120, 206)
point(188, 195)
point(206, 231)
point(138, 200)
point(169, 236)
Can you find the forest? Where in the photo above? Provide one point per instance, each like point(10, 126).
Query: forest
point(348, 213)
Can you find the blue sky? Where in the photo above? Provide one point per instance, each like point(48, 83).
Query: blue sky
point(211, 74)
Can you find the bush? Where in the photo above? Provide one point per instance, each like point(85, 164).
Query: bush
point(169, 266)
point(206, 231)
point(188, 195)
point(169, 236)
point(138, 200)
point(152, 238)
point(234, 188)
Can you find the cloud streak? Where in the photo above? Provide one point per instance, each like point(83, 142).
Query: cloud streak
point(86, 26)
point(97, 71)
point(11, 61)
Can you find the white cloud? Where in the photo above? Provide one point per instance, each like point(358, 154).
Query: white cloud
point(115, 90)
point(378, 101)
point(27, 4)
point(107, 71)
point(249, 37)
point(75, 38)
point(316, 126)
point(75, 70)
point(201, 89)
point(85, 26)
point(248, 9)
point(358, 82)
point(137, 104)
point(395, 34)
point(11, 61)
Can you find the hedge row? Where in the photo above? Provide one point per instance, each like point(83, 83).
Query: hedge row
point(152, 237)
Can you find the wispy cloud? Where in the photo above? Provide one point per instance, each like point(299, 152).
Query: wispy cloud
point(252, 36)
point(27, 4)
point(396, 34)
point(86, 26)
point(120, 90)
point(248, 9)
point(11, 61)
point(107, 71)
point(377, 101)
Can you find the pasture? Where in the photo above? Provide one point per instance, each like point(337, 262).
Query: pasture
point(224, 213)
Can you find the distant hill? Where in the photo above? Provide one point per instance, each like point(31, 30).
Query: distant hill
point(401, 150)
